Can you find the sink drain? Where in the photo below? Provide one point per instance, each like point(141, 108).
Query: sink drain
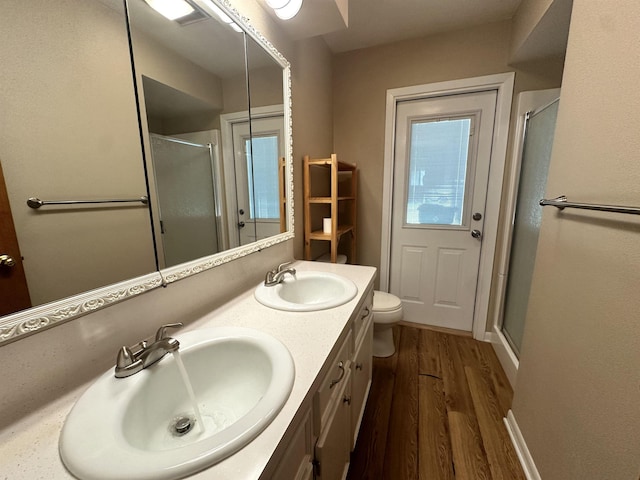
point(182, 426)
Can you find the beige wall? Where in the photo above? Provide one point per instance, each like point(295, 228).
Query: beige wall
point(577, 395)
point(162, 64)
point(361, 79)
point(527, 17)
point(312, 117)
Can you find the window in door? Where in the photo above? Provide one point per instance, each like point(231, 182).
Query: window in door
point(438, 166)
point(262, 173)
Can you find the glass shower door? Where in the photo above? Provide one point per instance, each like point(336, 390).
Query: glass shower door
point(184, 180)
point(540, 128)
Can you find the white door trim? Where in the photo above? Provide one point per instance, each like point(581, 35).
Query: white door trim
point(503, 83)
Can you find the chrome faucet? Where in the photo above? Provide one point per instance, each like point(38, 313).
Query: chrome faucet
point(275, 276)
point(132, 360)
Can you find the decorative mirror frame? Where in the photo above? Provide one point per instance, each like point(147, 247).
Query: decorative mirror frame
point(27, 322)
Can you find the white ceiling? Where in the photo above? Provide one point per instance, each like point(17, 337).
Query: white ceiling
point(376, 22)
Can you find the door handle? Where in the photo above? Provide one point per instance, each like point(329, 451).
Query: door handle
point(6, 260)
point(476, 234)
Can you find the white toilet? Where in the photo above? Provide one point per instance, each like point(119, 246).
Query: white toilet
point(387, 311)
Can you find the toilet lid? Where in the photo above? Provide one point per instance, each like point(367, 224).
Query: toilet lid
point(384, 302)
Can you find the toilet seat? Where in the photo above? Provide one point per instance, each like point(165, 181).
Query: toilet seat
point(384, 302)
point(387, 308)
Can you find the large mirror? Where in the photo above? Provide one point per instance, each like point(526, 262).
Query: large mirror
point(194, 187)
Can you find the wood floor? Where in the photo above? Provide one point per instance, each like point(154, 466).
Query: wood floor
point(435, 412)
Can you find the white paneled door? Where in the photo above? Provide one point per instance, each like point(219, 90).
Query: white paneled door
point(441, 171)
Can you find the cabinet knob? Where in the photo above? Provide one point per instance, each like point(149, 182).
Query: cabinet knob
point(346, 399)
point(359, 366)
point(365, 312)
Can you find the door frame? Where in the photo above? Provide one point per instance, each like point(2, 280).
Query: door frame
point(503, 84)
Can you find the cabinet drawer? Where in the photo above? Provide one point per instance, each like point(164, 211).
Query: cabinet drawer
point(361, 321)
point(331, 384)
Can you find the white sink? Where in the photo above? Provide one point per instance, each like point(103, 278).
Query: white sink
point(307, 291)
point(125, 428)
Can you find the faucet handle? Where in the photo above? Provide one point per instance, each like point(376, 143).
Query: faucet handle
point(162, 331)
point(282, 265)
point(125, 358)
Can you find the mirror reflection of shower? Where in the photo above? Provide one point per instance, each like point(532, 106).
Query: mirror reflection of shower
point(189, 204)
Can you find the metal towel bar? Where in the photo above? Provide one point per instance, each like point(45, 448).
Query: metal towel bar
point(562, 203)
point(36, 203)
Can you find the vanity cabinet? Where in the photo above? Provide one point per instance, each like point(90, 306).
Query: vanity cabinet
point(321, 445)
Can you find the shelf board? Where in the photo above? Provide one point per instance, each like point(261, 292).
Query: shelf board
point(328, 199)
point(342, 166)
point(320, 235)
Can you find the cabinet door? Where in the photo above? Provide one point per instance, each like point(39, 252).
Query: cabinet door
point(334, 445)
point(361, 381)
point(296, 461)
point(331, 384)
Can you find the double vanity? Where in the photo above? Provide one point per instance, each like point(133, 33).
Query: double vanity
point(282, 393)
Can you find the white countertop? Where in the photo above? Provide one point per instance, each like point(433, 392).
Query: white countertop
point(29, 447)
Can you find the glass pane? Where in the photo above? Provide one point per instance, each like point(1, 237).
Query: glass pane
point(536, 157)
point(184, 182)
point(437, 171)
point(262, 171)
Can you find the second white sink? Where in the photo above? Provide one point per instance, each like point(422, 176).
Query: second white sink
point(307, 291)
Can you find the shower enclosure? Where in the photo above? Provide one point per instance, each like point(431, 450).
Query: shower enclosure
point(536, 154)
point(188, 203)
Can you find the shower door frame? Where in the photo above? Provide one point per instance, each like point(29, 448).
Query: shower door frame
point(527, 103)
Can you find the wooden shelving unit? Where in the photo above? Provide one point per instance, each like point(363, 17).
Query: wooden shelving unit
point(332, 187)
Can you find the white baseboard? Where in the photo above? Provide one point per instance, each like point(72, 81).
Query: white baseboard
point(505, 355)
point(526, 460)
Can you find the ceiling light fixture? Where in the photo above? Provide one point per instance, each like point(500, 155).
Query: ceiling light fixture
point(285, 9)
point(171, 9)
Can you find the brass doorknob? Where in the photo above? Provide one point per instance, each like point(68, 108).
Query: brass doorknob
point(7, 260)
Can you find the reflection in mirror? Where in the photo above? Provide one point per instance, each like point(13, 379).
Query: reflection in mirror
point(192, 75)
point(69, 131)
point(265, 165)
